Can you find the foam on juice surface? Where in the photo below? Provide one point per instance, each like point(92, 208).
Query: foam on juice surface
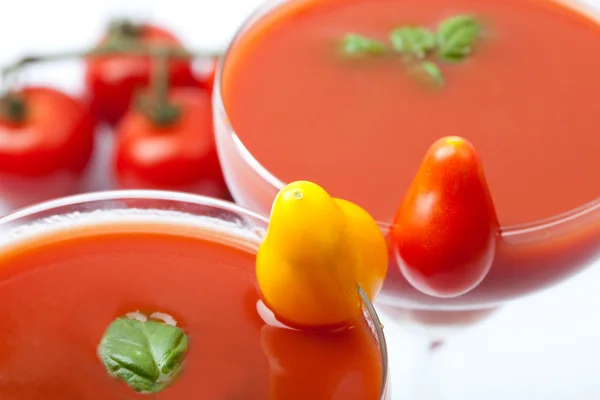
point(239, 232)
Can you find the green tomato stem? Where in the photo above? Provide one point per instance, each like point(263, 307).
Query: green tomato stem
point(124, 28)
point(115, 48)
point(160, 111)
point(13, 108)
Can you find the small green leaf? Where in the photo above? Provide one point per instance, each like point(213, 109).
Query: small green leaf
point(413, 41)
point(430, 73)
point(456, 37)
point(147, 355)
point(355, 44)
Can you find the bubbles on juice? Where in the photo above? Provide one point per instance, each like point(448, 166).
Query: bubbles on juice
point(155, 316)
point(231, 227)
point(164, 317)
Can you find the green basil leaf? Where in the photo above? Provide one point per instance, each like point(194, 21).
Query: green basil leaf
point(354, 44)
point(456, 37)
point(428, 73)
point(413, 41)
point(147, 355)
point(433, 73)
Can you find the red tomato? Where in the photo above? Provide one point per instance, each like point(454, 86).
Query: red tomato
point(113, 81)
point(446, 232)
point(179, 156)
point(43, 154)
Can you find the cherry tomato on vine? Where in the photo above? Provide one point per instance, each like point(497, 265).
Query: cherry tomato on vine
point(446, 231)
point(178, 155)
point(46, 141)
point(113, 81)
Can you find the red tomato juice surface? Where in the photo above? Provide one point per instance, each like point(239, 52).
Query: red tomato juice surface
point(527, 98)
point(60, 291)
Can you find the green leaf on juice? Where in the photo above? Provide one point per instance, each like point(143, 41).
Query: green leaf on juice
point(146, 355)
point(432, 73)
point(354, 44)
point(456, 37)
point(454, 40)
point(413, 41)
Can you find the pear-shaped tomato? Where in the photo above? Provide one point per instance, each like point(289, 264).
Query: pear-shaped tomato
point(446, 231)
point(317, 251)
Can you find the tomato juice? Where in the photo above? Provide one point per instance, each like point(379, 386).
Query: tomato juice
point(292, 106)
point(61, 288)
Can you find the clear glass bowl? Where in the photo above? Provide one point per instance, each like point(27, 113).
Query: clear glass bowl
point(530, 258)
point(235, 223)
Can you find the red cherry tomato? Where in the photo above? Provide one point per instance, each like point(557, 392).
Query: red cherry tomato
point(113, 81)
point(44, 152)
point(446, 231)
point(180, 156)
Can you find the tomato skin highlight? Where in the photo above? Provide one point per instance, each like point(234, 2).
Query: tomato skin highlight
point(45, 154)
point(445, 233)
point(112, 82)
point(180, 156)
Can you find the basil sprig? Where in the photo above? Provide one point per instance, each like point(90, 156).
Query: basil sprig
point(454, 40)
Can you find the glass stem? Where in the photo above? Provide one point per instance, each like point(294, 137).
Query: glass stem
point(427, 375)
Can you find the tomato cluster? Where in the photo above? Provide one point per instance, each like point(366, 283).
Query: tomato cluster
point(163, 140)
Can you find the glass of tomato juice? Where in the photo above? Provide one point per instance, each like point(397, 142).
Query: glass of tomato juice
point(70, 266)
point(290, 105)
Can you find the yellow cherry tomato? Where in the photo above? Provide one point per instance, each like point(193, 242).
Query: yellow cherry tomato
point(316, 252)
point(369, 248)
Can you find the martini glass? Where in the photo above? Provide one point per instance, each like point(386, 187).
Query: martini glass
point(531, 257)
point(217, 221)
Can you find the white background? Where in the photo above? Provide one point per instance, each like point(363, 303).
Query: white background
point(545, 347)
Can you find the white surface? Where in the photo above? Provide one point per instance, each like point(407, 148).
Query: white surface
point(545, 347)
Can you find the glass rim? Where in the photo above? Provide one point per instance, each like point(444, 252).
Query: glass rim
point(516, 230)
point(181, 197)
point(128, 194)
